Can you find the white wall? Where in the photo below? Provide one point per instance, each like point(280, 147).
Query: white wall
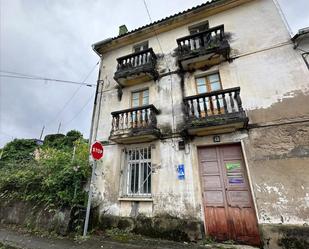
point(267, 69)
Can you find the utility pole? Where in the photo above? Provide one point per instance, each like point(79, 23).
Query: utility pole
point(42, 132)
point(94, 165)
point(92, 138)
point(59, 128)
point(97, 151)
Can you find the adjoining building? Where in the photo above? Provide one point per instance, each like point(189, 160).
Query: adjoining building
point(205, 120)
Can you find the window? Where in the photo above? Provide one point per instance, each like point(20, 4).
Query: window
point(206, 84)
point(200, 27)
point(140, 46)
point(138, 178)
point(140, 98)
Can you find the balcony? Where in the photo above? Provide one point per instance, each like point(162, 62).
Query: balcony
point(215, 112)
point(135, 125)
point(136, 68)
point(204, 49)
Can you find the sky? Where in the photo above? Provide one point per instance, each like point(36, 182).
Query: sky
point(53, 38)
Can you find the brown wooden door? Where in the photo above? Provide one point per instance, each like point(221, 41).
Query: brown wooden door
point(228, 206)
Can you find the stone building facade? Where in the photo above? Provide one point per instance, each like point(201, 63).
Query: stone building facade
point(205, 120)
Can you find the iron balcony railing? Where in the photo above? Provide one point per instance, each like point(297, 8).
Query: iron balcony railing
point(142, 117)
point(209, 39)
point(135, 60)
point(210, 105)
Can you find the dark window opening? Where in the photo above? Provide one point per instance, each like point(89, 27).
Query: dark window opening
point(200, 27)
point(140, 47)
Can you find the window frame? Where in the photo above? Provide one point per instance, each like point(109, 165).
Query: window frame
point(140, 98)
point(144, 45)
point(208, 84)
point(208, 87)
point(142, 181)
point(193, 28)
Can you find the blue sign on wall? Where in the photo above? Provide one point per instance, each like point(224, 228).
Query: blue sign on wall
point(181, 171)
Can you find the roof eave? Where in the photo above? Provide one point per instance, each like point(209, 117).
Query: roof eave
point(168, 23)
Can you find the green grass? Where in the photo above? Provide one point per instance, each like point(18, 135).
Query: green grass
point(3, 246)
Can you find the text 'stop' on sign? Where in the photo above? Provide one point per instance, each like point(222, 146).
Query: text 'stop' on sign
point(97, 150)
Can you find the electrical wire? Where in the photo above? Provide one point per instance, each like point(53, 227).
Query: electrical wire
point(83, 107)
point(28, 77)
point(154, 30)
point(167, 65)
point(72, 96)
point(6, 134)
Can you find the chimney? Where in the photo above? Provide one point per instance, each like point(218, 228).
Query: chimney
point(123, 29)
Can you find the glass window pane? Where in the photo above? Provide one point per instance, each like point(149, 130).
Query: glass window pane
point(136, 187)
point(215, 86)
point(145, 153)
point(149, 153)
point(137, 155)
point(146, 93)
point(213, 78)
point(149, 180)
point(132, 172)
point(135, 102)
point(145, 97)
point(145, 101)
point(201, 89)
point(135, 95)
point(200, 81)
point(144, 179)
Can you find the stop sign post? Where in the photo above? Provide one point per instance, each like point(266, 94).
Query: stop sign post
point(97, 152)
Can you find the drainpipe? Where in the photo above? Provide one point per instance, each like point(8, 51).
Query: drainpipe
point(94, 132)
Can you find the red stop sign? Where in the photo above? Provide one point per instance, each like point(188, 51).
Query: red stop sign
point(97, 150)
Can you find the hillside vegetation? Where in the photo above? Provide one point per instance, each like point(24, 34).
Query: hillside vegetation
point(53, 173)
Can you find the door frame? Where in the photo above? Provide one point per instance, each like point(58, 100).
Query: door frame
point(246, 169)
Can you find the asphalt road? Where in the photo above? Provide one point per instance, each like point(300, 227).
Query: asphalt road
point(14, 239)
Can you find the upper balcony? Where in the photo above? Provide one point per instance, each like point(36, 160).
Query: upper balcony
point(203, 49)
point(136, 68)
point(215, 112)
point(135, 125)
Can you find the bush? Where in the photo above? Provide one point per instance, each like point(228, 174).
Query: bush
point(17, 152)
point(54, 178)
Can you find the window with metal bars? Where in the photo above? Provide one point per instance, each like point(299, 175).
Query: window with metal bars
point(138, 182)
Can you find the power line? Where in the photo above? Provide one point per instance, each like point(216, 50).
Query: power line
point(154, 30)
point(6, 134)
point(47, 79)
point(17, 73)
point(167, 65)
point(83, 107)
point(72, 96)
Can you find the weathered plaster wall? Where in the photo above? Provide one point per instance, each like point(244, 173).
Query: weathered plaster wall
point(278, 158)
point(274, 84)
point(34, 216)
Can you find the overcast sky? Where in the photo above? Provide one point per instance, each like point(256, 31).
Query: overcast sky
point(52, 39)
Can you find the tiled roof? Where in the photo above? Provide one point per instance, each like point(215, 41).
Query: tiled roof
point(167, 18)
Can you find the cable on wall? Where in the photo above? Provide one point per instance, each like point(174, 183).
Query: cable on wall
point(167, 65)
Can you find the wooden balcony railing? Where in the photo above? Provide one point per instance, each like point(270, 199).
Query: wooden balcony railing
point(210, 105)
point(209, 39)
point(137, 59)
point(142, 117)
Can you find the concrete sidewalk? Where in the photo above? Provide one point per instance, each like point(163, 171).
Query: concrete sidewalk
point(14, 239)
